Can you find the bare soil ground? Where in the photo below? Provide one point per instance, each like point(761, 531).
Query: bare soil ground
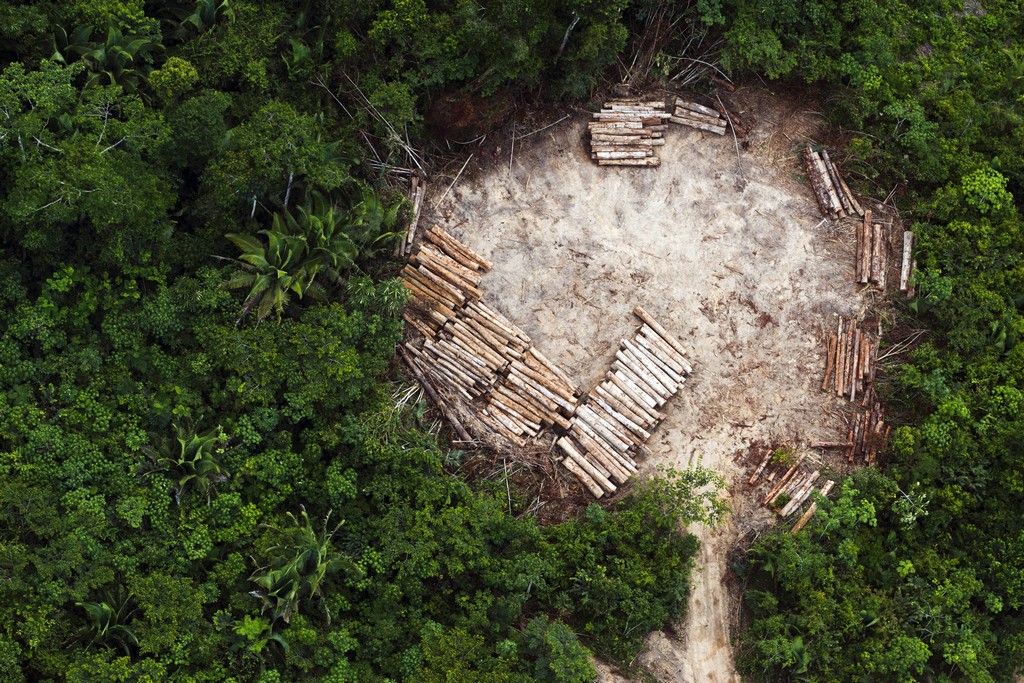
point(728, 251)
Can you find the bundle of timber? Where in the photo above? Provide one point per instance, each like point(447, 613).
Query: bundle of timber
point(850, 359)
point(873, 253)
point(834, 197)
point(791, 490)
point(698, 116)
point(443, 276)
point(626, 133)
point(533, 395)
point(417, 189)
point(868, 433)
point(615, 419)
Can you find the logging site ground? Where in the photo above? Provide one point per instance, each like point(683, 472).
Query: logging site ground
point(726, 247)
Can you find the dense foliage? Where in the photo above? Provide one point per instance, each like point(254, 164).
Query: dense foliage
point(208, 470)
point(918, 573)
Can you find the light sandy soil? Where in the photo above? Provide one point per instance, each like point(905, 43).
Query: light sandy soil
point(727, 253)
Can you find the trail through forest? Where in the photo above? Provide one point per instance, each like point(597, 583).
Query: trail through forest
point(729, 253)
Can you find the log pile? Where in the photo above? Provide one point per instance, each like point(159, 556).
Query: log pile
point(790, 486)
point(628, 133)
point(873, 253)
point(868, 434)
point(614, 420)
point(698, 116)
point(850, 359)
point(830, 190)
point(474, 355)
point(443, 276)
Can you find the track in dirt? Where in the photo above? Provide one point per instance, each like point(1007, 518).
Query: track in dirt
point(728, 253)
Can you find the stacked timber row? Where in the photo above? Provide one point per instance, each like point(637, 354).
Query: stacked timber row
point(614, 421)
point(628, 132)
point(790, 487)
point(533, 394)
point(850, 360)
point(473, 352)
point(698, 116)
point(868, 434)
point(443, 276)
point(417, 189)
point(873, 254)
point(834, 198)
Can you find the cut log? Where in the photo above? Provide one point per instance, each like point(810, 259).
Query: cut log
point(849, 195)
point(646, 332)
point(588, 467)
point(785, 480)
point(640, 377)
point(628, 424)
point(817, 182)
point(876, 251)
point(841, 361)
point(661, 331)
point(608, 432)
point(448, 413)
point(657, 352)
point(760, 468)
point(688, 114)
point(456, 245)
point(656, 359)
point(908, 243)
point(641, 363)
point(883, 258)
point(592, 486)
point(606, 156)
point(628, 409)
point(700, 125)
point(649, 161)
point(855, 361)
point(693, 106)
point(826, 179)
point(833, 175)
point(626, 140)
point(619, 388)
point(800, 496)
point(830, 361)
point(557, 371)
point(594, 444)
point(637, 384)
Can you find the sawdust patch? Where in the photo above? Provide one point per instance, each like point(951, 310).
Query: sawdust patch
point(729, 253)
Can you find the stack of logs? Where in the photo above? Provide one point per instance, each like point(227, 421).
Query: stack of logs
point(626, 133)
point(417, 189)
point(850, 360)
point(868, 433)
point(533, 394)
point(698, 116)
point(873, 252)
point(791, 489)
point(834, 198)
point(615, 419)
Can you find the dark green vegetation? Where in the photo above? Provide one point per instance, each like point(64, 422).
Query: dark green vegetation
point(917, 573)
point(203, 472)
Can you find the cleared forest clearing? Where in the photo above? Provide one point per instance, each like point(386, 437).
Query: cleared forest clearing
point(729, 251)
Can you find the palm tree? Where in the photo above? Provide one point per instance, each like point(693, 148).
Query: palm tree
point(272, 270)
point(190, 460)
point(119, 60)
point(305, 558)
point(109, 619)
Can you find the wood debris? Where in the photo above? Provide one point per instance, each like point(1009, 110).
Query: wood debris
point(688, 113)
point(830, 190)
point(628, 132)
point(615, 419)
point(792, 485)
point(850, 359)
